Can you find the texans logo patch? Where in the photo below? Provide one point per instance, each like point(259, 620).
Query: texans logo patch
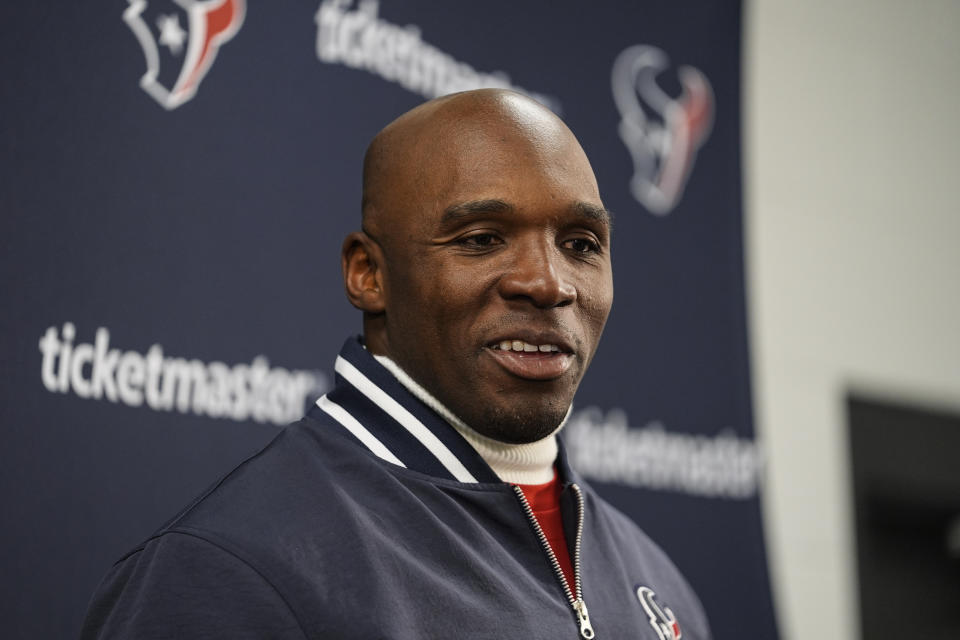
point(661, 618)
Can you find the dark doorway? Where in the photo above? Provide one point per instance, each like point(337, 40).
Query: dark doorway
point(906, 483)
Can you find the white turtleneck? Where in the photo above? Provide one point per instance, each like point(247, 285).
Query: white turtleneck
point(528, 463)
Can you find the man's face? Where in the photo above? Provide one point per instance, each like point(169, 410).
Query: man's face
point(497, 277)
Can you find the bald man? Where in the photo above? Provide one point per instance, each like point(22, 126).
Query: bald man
point(427, 495)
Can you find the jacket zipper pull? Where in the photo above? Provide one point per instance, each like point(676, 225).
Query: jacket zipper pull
point(586, 630)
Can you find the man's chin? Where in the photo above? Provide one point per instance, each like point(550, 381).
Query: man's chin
point(520, 425)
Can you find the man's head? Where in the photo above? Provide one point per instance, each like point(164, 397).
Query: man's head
point(483, 231)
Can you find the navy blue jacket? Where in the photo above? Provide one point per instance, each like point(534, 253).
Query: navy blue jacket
point(373, 518)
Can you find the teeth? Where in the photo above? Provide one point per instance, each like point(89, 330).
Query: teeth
point(526, 347)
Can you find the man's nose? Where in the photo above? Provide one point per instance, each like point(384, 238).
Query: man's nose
point(538, 273)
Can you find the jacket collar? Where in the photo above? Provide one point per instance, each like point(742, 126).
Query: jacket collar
point(370, 403)
point(383, 416)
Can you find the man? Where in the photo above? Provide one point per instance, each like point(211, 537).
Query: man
point(425, 496)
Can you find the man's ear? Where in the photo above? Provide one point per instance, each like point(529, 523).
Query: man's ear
point(361, 261)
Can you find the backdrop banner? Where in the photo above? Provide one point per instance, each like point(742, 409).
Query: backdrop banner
point(177, 180)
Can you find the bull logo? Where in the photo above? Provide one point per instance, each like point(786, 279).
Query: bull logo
point(662, 133)
point(661, 619)
point(180, 40)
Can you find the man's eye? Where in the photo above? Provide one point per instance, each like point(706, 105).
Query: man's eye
point(582, 245)
point(479, 240)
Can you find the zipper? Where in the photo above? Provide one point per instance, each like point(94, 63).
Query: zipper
point(575, 595)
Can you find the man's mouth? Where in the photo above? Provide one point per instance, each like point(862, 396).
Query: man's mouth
point(540, 360)
point(524, 347)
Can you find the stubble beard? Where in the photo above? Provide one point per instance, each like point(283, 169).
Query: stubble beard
point(520, 425)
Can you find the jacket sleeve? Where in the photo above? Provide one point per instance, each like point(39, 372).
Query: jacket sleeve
point(182, 586)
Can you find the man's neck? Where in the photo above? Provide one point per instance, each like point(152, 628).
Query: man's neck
point(528, 463)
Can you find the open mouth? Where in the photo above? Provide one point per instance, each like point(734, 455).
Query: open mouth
point(541, 360)
point(520, 346)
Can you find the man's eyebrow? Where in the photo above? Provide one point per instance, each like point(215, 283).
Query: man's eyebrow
point(462, 210)
point(594, 212)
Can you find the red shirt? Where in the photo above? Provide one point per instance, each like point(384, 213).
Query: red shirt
point(544, 499)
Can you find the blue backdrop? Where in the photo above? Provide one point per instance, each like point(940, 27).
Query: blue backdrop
point(177, 179)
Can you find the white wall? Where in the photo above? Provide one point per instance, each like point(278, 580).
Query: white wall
point(852, 124)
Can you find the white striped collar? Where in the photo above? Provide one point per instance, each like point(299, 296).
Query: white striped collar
point(383, 416)
point(526, 463)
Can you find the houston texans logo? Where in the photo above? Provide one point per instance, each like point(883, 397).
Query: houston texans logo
point(662, 133)
point(661, 619)
point(180, 39)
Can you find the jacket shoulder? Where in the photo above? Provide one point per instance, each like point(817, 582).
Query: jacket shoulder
point(173, 586)
point(294, 467)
